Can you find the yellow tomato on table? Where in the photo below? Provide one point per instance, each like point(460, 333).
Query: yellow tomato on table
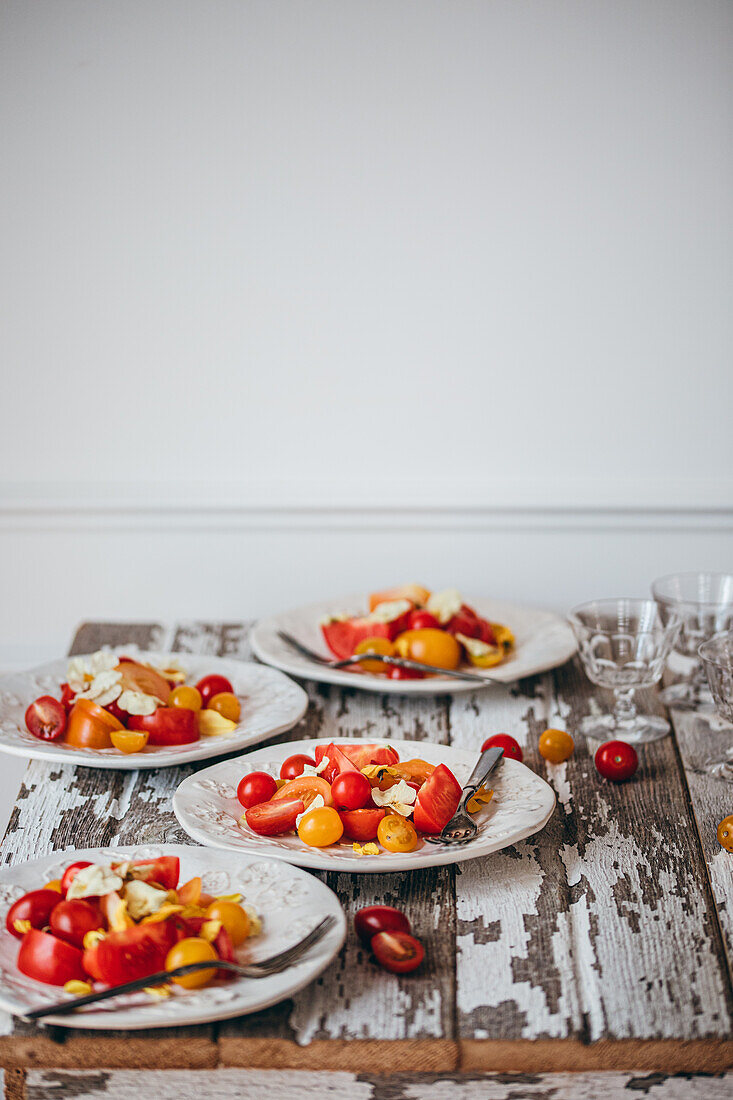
point(431, 646)
point(556, 746)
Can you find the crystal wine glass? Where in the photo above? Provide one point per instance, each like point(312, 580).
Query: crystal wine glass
point(717, 661)
point(624, 645)
point(704, 604)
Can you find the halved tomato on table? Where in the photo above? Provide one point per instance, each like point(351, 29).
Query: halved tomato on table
point(437, 801)
point(167, 726)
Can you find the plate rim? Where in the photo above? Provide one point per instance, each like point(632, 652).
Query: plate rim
point(218, 1012)
point(368, 865)
point(501, 675)
point(208, 748)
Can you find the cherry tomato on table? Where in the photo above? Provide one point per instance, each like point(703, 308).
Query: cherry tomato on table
point(361, 825)
point(503, 741)
point(273, 818)
point(351, 791)
point(226, 704)
point(321, 827)
point(48, 959)
point(255, 788)
point(556, 746)
point(379, 918)
point(397, 834)
point(35, 907)
point(167, 726)
point(398, 952)
point(70, 874)
point(293, 766)
point(725, 833)
point(212, 685)
point(46, 718)
point(71, 920)
point(617, 761)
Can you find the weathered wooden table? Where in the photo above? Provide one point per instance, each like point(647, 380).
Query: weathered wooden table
point(590, 961)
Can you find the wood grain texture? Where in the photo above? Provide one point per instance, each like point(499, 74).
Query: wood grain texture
point(595, 944)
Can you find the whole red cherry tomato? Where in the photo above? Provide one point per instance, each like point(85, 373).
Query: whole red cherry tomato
point(398, 952)
point(211, 686)
point(504, 741)
point(379, 918)
point(71, 920)
point(35, 907)
point(255, 788)
point(292, 767)
point(397, 673)
point(70, 874)
point(422, 620)
point(46, 718)
point(617, 761)
point(351, 791)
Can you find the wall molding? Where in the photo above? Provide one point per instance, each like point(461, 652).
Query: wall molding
point(467, 505)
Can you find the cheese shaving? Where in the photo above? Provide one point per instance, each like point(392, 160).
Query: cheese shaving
point(400, 798)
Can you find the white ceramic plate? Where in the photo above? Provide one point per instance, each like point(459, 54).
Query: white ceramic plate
point(290, 903)
point(206, 806)
point(271, 704)
point(543, 640)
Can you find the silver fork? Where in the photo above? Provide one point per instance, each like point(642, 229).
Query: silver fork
point(398, 662)
point(461, 828)
point(262, 969)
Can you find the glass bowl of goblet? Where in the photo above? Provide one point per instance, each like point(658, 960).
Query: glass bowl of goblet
point(704, 604)
point(623, 645)
point(717, 659)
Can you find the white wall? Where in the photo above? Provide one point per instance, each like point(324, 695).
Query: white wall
point(298, 295)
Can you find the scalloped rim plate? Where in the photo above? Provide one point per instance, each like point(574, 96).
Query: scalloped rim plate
point(207, 807)
point(543, 641)
point(271, 704)
point(290, 903)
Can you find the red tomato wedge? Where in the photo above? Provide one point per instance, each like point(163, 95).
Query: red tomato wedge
point(360, 755)
point(133, 953)
point(167, 726)
point(342, 638)
point(306, 788)
point(437, 801)
point(337, 761)
point(49, 960)
point(361, 825)
point(165, 870)
point(272, 818)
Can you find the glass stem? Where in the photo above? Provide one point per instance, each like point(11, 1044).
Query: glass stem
point(625, 708)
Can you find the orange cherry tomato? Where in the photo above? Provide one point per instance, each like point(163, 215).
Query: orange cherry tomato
point(191, 950)
point(90, 726)
point(375, 645)
point(725, 833)
point(321, 827)
point(556, 746)
point(397, 834)
point(226, 704)
point(129, 740)
point(232, 917)
point(189, 698)
point(432, 647)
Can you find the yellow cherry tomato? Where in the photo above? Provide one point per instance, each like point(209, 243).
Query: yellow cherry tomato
point(129, 740)
point(431, 646)
point(54, 884)
point(320, 827)
point(396, 833)
point(226, 704)
point(232, 917)
point(185, 697)
point(556, 746)
point(725, 833)
point(375, 645)
point(191, 950)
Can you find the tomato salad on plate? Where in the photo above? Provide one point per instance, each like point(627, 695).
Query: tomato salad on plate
point(119, 702)
point(437, 628)
point(361, 794)
point(106, 924)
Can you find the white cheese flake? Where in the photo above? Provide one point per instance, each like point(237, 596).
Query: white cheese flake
point(316, 804)
point(334, 617)
point(400, 798)
point(308, 769)
point(444, 605)
point(143, 899)
point(104, 688)
point(476, 647)
point(94, 881)
point(137, 702)
point(388, 611)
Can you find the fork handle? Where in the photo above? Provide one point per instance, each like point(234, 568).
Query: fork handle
point(485, 766)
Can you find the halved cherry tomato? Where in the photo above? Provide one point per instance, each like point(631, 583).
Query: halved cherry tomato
point(167, 726)
point(374, 645)
point(361, 825)
point(437, 801)
point(351, 791)
point(306, 788)
point(293, 766)
point(397, 673)
point(192, 950)
point(164, 870)
point(422, 620)
point(433, 647)
point(129, 741)
point(35, 907)
point(320, 827)
point(232, 917)
point(616, 760)
point(504, 741)
point(272, 818)
point(48, 959)
point(398, 952)
point(556, 746)
point(71, 920)
point(226, 704)
point(255, 788)
point(210, 686)
point(133, 953)
point(397, 834)
point(90, 726)
point(379, 918)
point(46, 718)
point(70, 874)
point(185, 696)
point(137, 677)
